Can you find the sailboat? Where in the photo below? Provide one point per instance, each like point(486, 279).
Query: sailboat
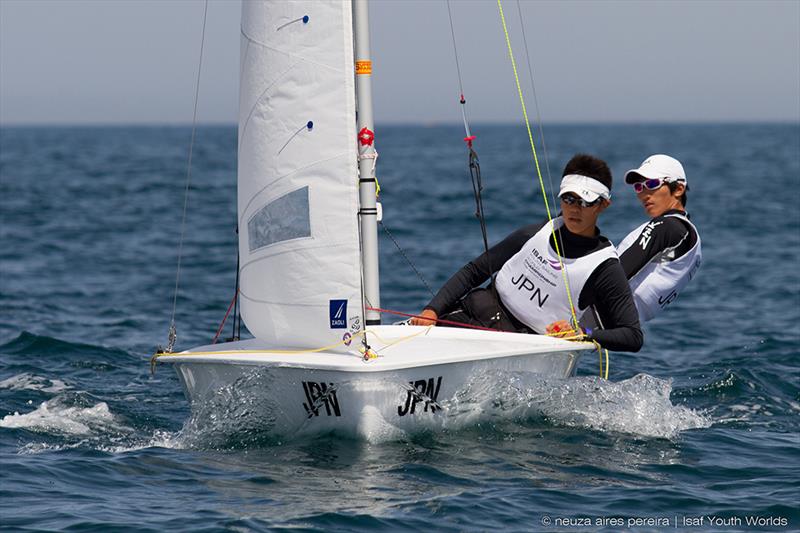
point(320, 359)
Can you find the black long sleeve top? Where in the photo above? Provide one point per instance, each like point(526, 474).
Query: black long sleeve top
point(606, 290)
point(664, 232)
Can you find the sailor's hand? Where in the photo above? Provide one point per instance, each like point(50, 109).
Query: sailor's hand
point(426, 318)
point(561, 328)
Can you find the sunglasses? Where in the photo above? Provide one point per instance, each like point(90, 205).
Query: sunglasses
point(570, 199)
point(650, 185)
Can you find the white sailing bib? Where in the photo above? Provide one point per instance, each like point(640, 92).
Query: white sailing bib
point(660, 281)
point(531, 283)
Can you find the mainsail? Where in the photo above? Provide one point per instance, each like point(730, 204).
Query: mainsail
point(300, 284)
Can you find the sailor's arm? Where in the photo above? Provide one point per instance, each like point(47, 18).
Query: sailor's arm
point(608, 290)
point(661, 233)
point(475, 273)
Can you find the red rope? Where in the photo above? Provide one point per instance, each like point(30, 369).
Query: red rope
point(224, 319)
point(438, 320)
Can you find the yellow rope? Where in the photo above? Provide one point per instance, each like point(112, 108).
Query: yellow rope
point(252, 352)
point(536, 161)
point(401, 339)
point(295, 352)
point(600, 355)
point(579, 336)
point(600, 351)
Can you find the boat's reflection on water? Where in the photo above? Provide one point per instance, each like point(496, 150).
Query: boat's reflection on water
point(549, 434)
point(331, 475)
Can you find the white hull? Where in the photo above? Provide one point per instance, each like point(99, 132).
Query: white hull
point(417, 382)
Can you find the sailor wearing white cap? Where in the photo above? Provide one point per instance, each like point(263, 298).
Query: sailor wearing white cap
point(662, 255)
point(529, 292)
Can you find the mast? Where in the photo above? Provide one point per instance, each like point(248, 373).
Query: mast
point(366, 161)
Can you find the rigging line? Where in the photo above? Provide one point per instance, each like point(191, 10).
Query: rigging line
point(172, 330)
point(255, 352)
point(463, 100)
point(536, 159)
point(236, 331)
point(224, 319)
point(364, 302)
point(387, 344)
point(539, 123)
point(474, 163)
point(536, 102)
point(437, 320)
point(233, 305)
point(477, 187)
point(567, 334)
point(236, 318)
point(408, 260)
point(455, 48)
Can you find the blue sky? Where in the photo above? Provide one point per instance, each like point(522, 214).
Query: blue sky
point(75, 62)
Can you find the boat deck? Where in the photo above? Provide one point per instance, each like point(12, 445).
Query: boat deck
point(396, 347)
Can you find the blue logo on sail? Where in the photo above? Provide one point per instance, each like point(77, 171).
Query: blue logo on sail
point(338, 314)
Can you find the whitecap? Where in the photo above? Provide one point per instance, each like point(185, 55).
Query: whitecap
point(29, 381)
point(113, 445)
point(54, 417)
point(159, 439)
point(640, 405)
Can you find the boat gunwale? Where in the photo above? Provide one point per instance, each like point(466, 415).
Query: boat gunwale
point(348, 362)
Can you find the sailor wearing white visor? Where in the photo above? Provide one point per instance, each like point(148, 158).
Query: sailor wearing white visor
point(529, 291)
point(662, 255)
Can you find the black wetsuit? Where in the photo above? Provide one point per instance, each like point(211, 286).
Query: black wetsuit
point(606, 289)
point(666, 232)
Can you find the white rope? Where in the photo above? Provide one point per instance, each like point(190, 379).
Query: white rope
point(372, 155)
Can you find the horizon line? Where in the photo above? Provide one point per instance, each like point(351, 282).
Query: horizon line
point(426, 124)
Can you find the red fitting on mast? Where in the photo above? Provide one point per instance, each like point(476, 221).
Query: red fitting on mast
point(366, 136)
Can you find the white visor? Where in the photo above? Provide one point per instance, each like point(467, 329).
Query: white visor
point(587, 188)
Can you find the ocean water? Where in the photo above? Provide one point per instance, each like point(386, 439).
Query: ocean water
point(697, 432)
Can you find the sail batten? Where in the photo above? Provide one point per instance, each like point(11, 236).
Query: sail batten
point(297, 174)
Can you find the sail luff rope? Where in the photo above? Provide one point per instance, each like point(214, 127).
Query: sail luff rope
point(536, 161)
point(172, 336)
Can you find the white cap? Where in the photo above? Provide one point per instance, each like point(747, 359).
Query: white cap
point(587, 188)
point(657, 166)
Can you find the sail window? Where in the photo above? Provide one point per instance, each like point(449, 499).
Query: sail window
point(282, 219)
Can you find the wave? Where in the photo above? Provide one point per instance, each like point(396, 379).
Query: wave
point(28, 381)
point(69, 425)
point(639, 406)
point(744, 396)
point(56, 417)
point(115, 445)
point(27, 343)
